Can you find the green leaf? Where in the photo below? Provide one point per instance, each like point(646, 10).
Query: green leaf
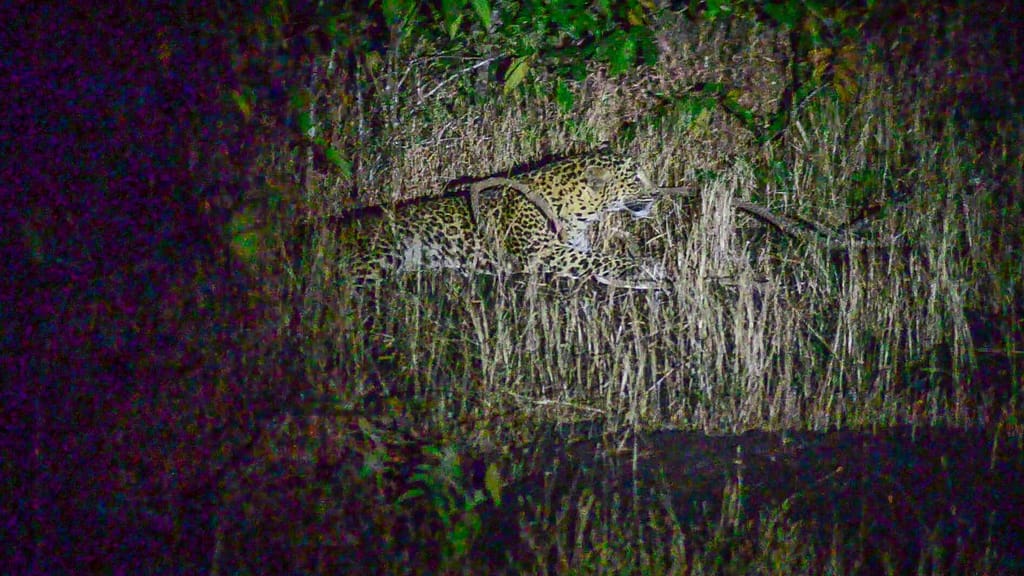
point(246, 238)
point(584, 23)
point(335, 157)
point(716, 8)
point(299, 99)
point(244, 101)
point(646, 47)
point(813, 6)
point(713, 88)
point(516, 73)
point(704, 176)
point(492, 481)
point(730, 101)
point(411, 494)
point(777, 123)
point(483, 11)
point(453, 26)
point(563, 18)
point(577, 70)
point(623, 55)
point(451, 11)
point(459, 540)
point(393, 10)
point(473, 501)
point(691, 108)
point(246, 246)
point(786, 13)
point(305, 122)
point(241, 221)
point(564, 96)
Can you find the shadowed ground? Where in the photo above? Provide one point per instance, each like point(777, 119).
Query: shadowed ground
point(895, 491)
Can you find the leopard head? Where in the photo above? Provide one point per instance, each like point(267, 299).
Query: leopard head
point(582, 188)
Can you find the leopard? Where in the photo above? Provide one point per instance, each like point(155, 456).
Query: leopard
point(534, 222)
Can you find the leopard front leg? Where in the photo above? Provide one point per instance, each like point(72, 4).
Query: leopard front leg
point(568, 262)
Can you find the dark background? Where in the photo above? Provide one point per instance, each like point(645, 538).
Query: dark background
point(115, 151)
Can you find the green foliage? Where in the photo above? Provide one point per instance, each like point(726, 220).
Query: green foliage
point(245, 237)
point(864, 184)
point(441, 483)
point(787, 14)
point(492, 481)
point(764, 129)
point(517, 72)
point(516, 43)
point(483, 11)
point(396, 12)
point(564, 96)
point(561, 37)
point(825, 54)
point(826, 40)
point(713, 9)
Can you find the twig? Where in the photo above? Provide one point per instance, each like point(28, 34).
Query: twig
point(542, 204)
point(546, 402)
point(456, 75)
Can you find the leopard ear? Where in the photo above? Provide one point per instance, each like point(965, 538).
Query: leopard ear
point(597, 176)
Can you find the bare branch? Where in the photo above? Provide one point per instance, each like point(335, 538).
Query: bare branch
point(807, 230)
point(542, 204)
point(441, 84)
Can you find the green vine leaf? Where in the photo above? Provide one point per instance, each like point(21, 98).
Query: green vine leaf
point(337, 159)
point(492, 481)
point(788, 14)
point(393, 10)
point(483, 11)
point(564, 96)
point(624, 56)
point(714, 8)
point(517, 72)
point(451, 12)
point(244, 100)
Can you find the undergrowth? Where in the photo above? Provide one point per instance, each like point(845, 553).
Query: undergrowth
point(759, 331)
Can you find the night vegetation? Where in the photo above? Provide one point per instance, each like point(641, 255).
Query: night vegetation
point(225, 401)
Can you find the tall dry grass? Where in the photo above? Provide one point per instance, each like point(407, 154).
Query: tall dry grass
point(759, 330)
